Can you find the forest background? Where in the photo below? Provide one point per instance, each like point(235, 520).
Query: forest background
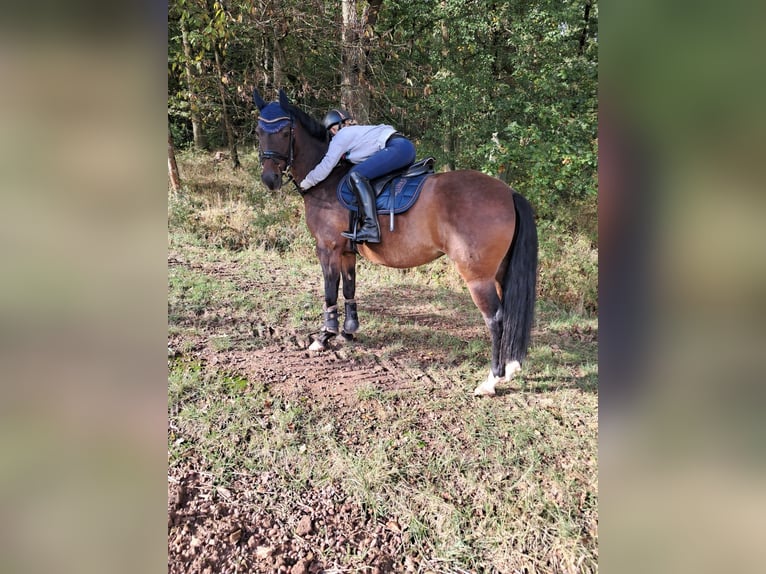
point(507, 88)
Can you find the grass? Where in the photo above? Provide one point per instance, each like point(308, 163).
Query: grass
point(501, 485)
point(480, 484)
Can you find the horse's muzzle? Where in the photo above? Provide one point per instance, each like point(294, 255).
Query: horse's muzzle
point(272, 180)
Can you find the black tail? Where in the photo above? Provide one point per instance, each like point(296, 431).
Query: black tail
point(519, 285)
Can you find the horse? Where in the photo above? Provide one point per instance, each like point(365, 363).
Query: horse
point(486, 228)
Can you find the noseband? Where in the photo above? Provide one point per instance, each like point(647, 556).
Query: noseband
point(271, 126)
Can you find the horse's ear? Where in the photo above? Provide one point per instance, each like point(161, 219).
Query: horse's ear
point(284, 101)
point(258, 99)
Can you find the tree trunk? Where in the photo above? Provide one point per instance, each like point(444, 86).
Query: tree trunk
point(230, 137)
point(277, 59)
point(354, 91)
point(175, 178)
point(448, 137)
point(586, 19)
point(350, 94)
point(200, 142)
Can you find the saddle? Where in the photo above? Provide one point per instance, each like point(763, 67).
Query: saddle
point(395, 192)
point(421, 167)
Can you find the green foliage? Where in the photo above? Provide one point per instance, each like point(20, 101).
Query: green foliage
point(508, 88)
point(568, 271)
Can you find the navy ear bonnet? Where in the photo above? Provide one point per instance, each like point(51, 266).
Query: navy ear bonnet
point(273, 118)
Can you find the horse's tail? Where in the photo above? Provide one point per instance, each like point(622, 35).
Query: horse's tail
point(519, 285)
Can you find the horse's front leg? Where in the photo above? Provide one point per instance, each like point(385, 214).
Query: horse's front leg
point(351, 318)
point(330, 260)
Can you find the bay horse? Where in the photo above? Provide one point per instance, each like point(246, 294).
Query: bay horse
point(487, 230)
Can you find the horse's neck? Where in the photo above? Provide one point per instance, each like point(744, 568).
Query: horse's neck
point(324, 194)
point(311, 155)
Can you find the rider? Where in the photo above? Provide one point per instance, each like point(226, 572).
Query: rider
point(375, 151)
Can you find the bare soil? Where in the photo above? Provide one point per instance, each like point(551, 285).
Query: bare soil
point(248, 527)
point(252, 526)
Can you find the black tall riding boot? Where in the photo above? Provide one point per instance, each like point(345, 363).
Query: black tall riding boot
point(370, 231)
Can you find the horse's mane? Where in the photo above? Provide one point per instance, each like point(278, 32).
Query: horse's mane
point(314, 128)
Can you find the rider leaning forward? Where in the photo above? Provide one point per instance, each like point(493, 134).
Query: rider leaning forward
point(374, 151)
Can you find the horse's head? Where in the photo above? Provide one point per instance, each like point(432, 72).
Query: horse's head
point(291, 141)
point(275, 139)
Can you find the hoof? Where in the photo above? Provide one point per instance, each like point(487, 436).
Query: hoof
point(483, 391)
point(511, 369)
point(487, 388)
point(320, 343)
point(317, 345)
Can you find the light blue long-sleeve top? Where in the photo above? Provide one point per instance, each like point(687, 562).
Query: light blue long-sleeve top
point(355, 143)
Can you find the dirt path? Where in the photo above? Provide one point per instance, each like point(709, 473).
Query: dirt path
point(247, 527)
point(285, 364)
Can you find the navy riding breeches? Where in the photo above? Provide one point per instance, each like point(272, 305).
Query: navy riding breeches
point(398, 154)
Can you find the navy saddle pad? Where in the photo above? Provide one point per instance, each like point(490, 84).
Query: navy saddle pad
point(403, 190)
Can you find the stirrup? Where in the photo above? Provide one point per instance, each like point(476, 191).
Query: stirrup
point(358, 237)
point(351, 233)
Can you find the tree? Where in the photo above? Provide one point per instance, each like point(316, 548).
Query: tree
point(175, 178)
point(218, 34)
point(359, 19)
point(200, 141)
point(508, 87)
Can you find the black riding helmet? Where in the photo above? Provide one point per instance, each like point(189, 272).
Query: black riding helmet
point(335, 116)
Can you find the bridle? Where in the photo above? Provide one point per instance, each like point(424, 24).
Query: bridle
point(263, 155)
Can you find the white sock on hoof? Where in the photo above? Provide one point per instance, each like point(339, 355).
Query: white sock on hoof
point(511, 369)
point(316, 346)
point(487, 388)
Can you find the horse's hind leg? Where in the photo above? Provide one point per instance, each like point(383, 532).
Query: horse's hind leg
point(484, 294)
